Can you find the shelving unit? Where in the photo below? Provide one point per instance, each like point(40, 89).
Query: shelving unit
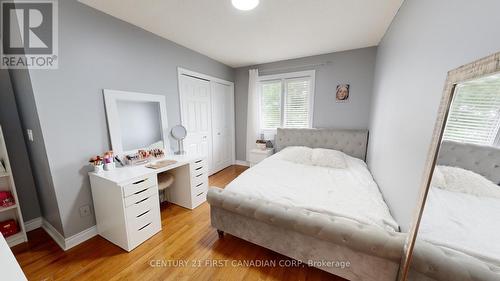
point(7, 184)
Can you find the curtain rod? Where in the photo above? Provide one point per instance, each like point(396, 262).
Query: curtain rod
point(294, 67)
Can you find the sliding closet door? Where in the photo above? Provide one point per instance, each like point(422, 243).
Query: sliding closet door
point(222, 126)
point(196, 115)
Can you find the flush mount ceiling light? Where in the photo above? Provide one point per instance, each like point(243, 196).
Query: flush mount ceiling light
point(245, 5)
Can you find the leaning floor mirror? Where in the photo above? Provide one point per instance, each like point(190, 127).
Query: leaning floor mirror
point(456, 235)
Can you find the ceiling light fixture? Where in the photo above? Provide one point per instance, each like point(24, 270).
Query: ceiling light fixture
point(245, 5)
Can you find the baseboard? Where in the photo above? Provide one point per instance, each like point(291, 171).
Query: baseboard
point(72, 241)
point(242, 163)
point(80, 237)
point(52, 232)
point(33, 224)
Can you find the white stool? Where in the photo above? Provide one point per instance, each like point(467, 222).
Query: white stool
point(165, 180)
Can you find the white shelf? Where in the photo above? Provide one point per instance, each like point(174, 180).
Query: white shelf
point(2, 209)
point(15, 239)
point(21, 236)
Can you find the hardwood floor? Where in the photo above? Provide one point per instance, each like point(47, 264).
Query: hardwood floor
point(187, 248)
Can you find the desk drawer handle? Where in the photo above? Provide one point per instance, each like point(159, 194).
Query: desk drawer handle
point(199, 161)
point(144, 227)
point(200, 194)
point(199, 175)
point(139, 192)
point(199, 168)
point(143, 213)
point(141, 181)
point(139, 202)
point(200, 184)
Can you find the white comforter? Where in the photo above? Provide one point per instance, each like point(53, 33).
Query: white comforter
point(464, 222)
point(350, 193)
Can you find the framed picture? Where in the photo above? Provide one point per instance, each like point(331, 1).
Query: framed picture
point(342, 93)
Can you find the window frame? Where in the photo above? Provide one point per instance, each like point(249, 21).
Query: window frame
point(283, 77)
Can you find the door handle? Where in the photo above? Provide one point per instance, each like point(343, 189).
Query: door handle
point(218, 133)
point(204, 137)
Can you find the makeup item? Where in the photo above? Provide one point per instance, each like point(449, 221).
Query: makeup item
point(98, 168)
point(109, 166)
point(117, 159)
point(97, 163)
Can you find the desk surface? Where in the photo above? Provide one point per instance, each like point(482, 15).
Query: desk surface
point(123, 175)
point(10, 268)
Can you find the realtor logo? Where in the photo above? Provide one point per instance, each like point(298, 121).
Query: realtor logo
point(29, 34)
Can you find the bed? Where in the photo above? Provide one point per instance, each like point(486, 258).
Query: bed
point(344, 221)
point(458, 238)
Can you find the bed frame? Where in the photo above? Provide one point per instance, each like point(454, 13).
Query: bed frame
point(373, 254)
point(436, 263)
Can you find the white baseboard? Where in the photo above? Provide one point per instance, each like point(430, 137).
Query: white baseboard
point(80, 237)
point(33, 224)
point(70, 242)
point(242, 163)
point(56, 236)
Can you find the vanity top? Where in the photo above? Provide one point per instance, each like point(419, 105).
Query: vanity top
point(129, 174)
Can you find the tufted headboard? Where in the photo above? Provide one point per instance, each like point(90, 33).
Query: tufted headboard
point(351, 142)
point(484, 160)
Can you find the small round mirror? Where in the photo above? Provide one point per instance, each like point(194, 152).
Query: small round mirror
point(179, 133)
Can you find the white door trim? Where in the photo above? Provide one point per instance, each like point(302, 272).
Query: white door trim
point(183, 71)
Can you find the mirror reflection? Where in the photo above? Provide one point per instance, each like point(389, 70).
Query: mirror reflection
point(140, 124)
point(459, 233)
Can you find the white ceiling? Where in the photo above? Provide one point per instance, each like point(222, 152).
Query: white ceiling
point(275, 30)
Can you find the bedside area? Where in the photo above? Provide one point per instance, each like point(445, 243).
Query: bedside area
point(257, 155)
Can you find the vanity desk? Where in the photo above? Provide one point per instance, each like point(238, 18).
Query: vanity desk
point(126, 201)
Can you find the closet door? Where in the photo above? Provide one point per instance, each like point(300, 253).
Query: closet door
point(196, 116)
point(222, 126)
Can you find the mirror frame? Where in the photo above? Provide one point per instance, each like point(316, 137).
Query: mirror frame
point(113, 118)
point(477, 69)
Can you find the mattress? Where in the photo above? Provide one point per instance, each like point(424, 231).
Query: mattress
point(350, 193)
point(462, 222)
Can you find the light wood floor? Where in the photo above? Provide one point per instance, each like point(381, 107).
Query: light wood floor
point(186, 236)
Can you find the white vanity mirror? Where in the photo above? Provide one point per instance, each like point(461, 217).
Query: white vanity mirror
point(136, 121)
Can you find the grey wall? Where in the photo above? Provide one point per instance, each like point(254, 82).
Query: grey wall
point(21, 85)
point(16, 147)
point(355, 67)
point(97, 51)
point(426, 40)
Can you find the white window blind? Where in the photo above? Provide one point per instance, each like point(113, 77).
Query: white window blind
point(297, 103)
point(286, 100)
point(474, 115)
point(271, 104)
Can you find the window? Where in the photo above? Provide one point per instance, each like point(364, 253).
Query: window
point(474, 115)
point(286, 100)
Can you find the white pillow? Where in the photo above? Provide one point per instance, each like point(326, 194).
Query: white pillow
point(465, 181)
point(328, 158)
point(297, 154)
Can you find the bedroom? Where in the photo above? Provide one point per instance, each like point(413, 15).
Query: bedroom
point(369, 74)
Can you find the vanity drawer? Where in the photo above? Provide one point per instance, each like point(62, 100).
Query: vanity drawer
point(139, 186)
point(199, 188)
point(197, 180)
point(141, 197)
point(143, 228)
point(199, 163)
point(199, 174)
point(197, 171)
point(199, 198)
point(135, 210)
